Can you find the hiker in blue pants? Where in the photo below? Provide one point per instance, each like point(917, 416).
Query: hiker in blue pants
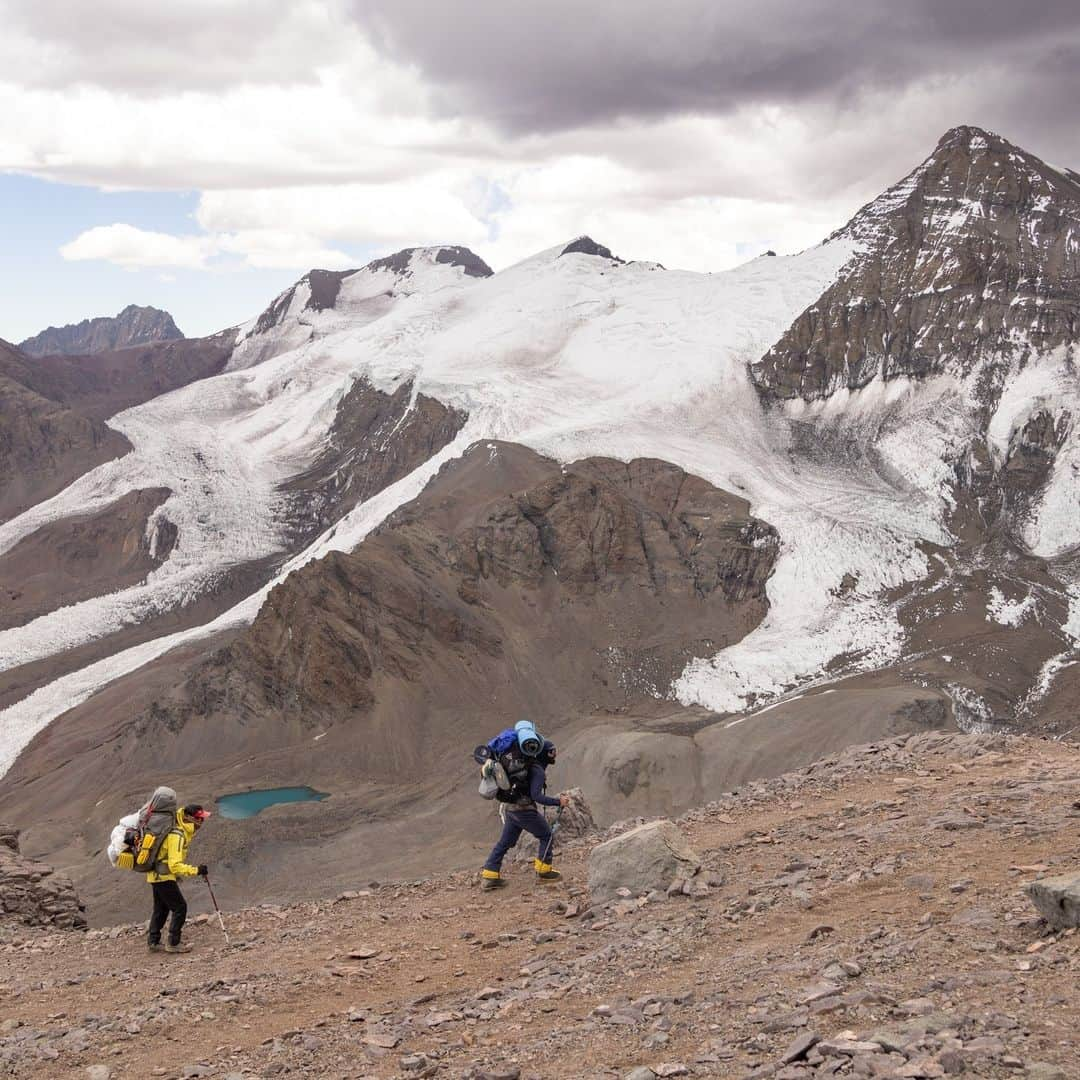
point(520, 815)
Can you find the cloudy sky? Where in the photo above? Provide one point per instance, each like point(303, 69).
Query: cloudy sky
point(200, 156)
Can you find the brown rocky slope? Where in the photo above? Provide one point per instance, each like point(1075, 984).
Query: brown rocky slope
point(44, 445)
point(512, 585)
point(860, 918)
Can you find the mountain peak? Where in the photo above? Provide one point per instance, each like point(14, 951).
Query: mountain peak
point(972, 258)
point(971, 137)
point(134, 325)
point(586, 245)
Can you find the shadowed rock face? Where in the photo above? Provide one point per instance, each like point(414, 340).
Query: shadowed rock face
point(376, 439)
point(101, 385)
point(133, 326)
point(974, 257)
point(470, 263)
point(44, 446)
point(74, 559)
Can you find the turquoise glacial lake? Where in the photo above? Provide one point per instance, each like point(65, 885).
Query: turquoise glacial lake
point(245, 804)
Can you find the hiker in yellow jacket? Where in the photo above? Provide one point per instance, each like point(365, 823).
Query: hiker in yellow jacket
point(170, 866)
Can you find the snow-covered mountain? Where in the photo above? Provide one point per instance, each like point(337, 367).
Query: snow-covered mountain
point(883, 425)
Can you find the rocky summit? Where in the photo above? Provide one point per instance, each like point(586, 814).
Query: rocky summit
point(133, 326)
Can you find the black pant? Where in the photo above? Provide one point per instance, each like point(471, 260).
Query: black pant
point(167, 897)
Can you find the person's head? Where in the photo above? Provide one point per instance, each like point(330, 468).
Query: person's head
point(196, 815)
point(546, 756)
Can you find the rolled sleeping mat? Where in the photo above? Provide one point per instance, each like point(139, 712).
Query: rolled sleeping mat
point(528, 738)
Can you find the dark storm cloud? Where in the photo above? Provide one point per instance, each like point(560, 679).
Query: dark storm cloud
point(533, 67)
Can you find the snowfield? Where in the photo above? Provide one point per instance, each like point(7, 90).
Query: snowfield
point(573, 356)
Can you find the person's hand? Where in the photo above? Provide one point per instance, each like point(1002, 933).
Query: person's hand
point(203, 870)
point(564, 800)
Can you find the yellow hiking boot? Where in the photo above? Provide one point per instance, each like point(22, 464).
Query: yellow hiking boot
point(491, 879)
point(546, 872)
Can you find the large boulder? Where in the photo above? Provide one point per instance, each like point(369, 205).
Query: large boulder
point(1058, 899)
point(648, 857)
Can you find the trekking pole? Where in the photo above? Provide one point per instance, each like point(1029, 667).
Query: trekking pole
point(554, 830)
point(213, 900)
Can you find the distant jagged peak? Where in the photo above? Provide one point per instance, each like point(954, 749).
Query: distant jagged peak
point(135, 325)
point(403, 263)
point(586, 245)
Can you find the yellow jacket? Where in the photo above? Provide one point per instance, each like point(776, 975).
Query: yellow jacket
point(173, 852)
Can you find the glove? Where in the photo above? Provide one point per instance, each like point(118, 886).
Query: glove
point(203, 870)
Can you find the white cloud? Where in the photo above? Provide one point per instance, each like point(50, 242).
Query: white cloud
point(133, 248)
point(305, 142)
point(157, 49)
point(277, 249)
point(428, 210)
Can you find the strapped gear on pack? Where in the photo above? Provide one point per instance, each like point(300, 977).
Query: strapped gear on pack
point(135, 843)
point(505, 761)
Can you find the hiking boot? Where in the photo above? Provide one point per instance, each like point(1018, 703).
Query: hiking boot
point(546, 872)
point(491, 879)
point(180, 947)
point(154, 946)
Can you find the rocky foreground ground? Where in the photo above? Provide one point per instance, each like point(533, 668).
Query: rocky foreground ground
point(863, 917)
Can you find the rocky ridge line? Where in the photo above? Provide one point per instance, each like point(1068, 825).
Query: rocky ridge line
point(133, 326)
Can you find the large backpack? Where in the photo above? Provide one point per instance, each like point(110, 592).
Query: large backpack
point(140, 848)
point(505, 774)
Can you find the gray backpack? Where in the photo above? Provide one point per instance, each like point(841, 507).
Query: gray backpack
point(143, 843)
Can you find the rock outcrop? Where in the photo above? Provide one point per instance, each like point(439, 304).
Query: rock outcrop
point(32, 893)
point(133, 326)
point(376, 439)
point(321, 291)
point(972, 258)
point(586, 245)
